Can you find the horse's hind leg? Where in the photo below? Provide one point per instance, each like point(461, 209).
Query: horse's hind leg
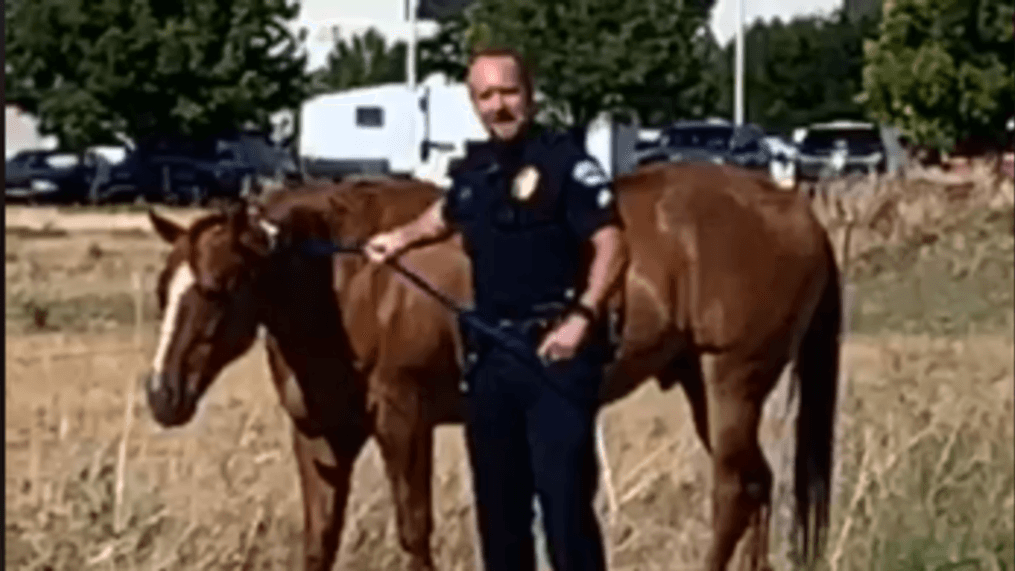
point(686, 371)
point(735, 391)
point(325, 465)
point(406, 443)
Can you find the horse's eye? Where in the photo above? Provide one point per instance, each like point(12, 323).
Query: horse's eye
point(216, 295)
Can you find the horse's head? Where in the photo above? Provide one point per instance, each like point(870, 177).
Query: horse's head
point(208, 297)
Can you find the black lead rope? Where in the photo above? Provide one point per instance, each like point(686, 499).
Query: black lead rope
point(514, 346)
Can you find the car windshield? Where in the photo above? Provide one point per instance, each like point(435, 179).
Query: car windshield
point(716, 138)
point(62, 160)
point(858, 141)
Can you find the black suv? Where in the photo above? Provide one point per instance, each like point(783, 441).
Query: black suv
point(840, 148)
point(50, 176)
point(713, 141)
point(256, 149)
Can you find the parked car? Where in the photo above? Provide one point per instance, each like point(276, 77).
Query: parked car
point(50, 176)
point(714, 141)
point(179, 173)
point(841, 148)
point(267, 159)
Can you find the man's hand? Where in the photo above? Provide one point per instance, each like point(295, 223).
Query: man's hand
point(384, 246)
point(562, 342)
point(429, 225)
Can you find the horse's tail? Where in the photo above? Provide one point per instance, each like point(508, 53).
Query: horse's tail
point(817, 367)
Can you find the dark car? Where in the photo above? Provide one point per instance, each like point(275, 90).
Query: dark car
point(179, 174)
point(841, 148)
point(257, 151)
point(50, 176)
point(718, 142)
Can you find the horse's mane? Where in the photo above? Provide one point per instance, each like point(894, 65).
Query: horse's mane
point(371, 203)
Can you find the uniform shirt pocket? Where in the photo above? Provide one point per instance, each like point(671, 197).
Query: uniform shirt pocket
point(461, 202)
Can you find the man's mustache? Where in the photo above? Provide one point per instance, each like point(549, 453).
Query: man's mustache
point(501, 116)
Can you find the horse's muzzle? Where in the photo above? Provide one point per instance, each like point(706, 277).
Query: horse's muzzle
point(169, 402)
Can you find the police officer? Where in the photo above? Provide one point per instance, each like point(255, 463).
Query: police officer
point(540, 225)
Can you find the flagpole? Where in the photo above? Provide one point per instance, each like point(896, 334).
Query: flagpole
point(738, 109)
point(410, 81)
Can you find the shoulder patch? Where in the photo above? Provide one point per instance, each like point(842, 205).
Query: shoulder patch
point(588, 172)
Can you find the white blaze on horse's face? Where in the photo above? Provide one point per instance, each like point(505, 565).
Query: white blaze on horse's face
point(183, 280)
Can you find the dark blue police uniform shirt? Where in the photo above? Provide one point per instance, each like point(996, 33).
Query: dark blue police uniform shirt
point(526, 212)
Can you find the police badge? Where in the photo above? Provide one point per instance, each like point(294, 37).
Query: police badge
point(525, 183)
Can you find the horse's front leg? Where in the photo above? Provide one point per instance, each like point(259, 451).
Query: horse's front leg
point(325, 465)
point(325, 451)
point(406, 442)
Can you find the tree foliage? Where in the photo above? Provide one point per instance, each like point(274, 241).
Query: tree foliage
point(796, 73)
point(367, 59)
point(90, 68)
point(639, 56)
point(942, 71)
point(447, 51)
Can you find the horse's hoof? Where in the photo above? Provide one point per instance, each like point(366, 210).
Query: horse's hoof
point(416, 565)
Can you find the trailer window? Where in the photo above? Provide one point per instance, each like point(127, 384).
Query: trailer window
point(369, 117)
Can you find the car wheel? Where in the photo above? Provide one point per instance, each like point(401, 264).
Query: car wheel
point(247, 186)
point(113, 194)
point(198, 195)
point(190, 195)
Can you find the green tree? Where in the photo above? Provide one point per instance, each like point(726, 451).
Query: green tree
point(941, 70)
point(447, 51)
point(365, 60)
point(90, 68)
point(638, 56)
point(795, 73)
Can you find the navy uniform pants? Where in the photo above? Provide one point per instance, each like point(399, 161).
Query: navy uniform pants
point(526, 437)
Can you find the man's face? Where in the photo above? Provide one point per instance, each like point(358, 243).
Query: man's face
point(498, 93)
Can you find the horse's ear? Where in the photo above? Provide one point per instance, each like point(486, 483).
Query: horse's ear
point(337, 206)
point(236, 215)
point(255, 210)
point(164, 227)
point(252, 230)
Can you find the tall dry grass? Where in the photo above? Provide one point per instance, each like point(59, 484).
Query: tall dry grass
point(927, 456)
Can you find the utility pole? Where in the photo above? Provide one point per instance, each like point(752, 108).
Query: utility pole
point(410, 54)
point(738, 88)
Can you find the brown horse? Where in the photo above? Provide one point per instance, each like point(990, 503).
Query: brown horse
point(729, 280)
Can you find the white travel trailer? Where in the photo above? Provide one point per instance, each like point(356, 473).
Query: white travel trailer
point(388, 129)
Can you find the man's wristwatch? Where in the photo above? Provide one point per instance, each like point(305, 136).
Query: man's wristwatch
point(585, 311)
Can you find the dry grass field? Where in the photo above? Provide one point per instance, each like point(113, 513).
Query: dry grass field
point(925, 470)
